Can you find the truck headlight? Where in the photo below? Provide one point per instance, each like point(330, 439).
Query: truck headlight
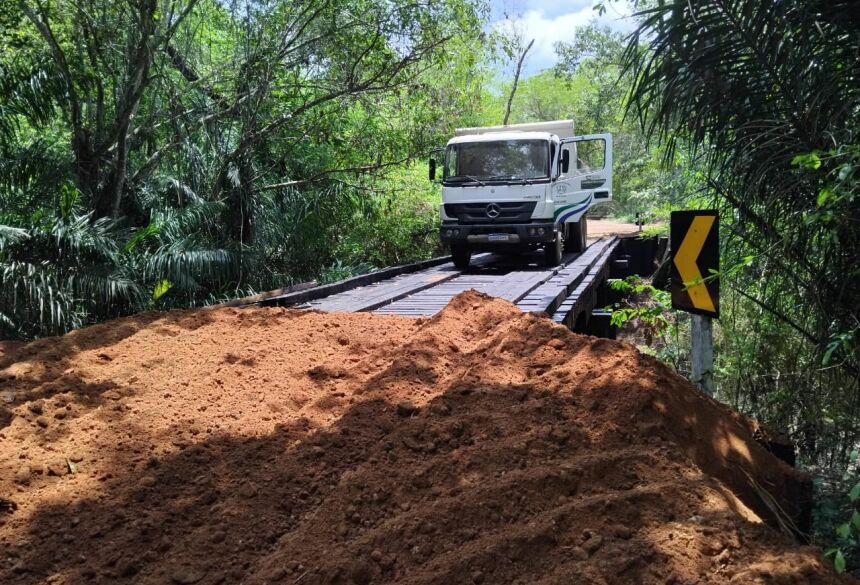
point(541, 231)
point(449, 233)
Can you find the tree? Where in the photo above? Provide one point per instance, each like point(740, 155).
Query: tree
point(104, 55)
point(590, 66)
point(766, 94)
point(516, 80)
point(232, 147)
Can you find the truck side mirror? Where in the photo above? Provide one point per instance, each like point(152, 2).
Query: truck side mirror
point(432, 169)
point(565, 160)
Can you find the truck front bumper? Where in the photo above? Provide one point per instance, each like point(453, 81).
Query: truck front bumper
point(498, 234)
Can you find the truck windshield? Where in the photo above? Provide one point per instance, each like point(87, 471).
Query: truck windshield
point(502, 160)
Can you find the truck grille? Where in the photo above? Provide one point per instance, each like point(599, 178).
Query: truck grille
point(508, 212)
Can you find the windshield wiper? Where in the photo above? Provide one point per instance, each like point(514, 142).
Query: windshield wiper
point(510, 179)
point(469, 177)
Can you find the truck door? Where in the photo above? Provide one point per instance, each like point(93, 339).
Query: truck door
point(588, 178)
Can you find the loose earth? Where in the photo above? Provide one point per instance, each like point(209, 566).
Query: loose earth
point(483, 445)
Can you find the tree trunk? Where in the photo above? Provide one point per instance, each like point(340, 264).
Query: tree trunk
point(516, 81)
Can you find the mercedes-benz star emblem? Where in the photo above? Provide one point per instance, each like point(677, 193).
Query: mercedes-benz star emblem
point(493, 211)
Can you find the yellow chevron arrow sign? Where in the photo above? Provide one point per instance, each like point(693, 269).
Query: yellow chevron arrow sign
point(695, 247)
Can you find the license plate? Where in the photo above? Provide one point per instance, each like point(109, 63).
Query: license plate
point(499, 237)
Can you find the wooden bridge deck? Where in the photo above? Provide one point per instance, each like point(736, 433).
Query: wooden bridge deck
point(511, 285)
point(423, 289)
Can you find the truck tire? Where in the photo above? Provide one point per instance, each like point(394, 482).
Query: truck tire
point(577, 239)
point(460, 255)
point(553, 251)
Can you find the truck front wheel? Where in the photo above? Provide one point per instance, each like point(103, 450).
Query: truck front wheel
point(577, 236)
point(461, 254)
point(553, 250)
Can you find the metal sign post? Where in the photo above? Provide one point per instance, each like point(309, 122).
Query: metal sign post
point(702, 353)
point(695, 244)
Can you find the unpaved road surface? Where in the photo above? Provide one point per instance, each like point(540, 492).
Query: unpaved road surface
point(483, 445)
point(612, 227)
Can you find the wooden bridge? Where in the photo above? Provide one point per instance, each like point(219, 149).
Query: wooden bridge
point(567, 292)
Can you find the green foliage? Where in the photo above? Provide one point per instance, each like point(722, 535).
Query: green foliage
point(838, 519)
point(236, 148)
point(592, 87)
point(653, 315)
point(649, 311)
point(774, 141)
point(397, 224)
point(340, 271)
point(59, 273)
point(658, 230)
point(809, 161)
point(161, 287)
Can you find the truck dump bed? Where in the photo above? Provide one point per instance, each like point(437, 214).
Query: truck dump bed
point(561, 128)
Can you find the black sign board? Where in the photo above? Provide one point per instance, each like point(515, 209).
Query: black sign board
point(695, 244)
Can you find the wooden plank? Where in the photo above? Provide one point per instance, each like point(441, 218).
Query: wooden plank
point(584, 296)
point(319, 292)
point(254, 299)
point(512, 286)
point(383, 293)
point(379, 294)
point(547, 297)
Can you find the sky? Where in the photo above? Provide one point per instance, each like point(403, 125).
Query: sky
point(548, 21)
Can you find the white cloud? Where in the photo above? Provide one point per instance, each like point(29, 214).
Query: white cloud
point(548, 26)
point(550, 8)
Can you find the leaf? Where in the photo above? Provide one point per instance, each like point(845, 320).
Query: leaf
point(855, 492)
point(233, 175)
point(855, 520)
point(831, 347)
point(839, 562)
point(843, 530)
point(139, 236)
point(808, 161)
point(68, 198)
point(11, 235)
point(161, 288)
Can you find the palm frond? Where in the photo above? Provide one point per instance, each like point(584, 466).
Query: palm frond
point(10, 235)
point(749, 86)
point(61, 271)
point(34, 296)
point(78, 236)
point(176, 223)
point(30, 176)
point(186, 262)
point(26, 93)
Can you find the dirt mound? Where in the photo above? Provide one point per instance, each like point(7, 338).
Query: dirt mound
point(483, 445)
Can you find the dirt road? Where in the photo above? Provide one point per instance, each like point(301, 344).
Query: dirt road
point(610, 227)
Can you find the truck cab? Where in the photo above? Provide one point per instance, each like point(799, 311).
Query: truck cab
point(521, 187)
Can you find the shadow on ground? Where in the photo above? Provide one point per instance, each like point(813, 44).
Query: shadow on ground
point(497, 484)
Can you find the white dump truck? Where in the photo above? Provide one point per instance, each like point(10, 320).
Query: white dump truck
point(523, 186)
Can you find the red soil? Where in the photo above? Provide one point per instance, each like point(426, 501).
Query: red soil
point(276, 446)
